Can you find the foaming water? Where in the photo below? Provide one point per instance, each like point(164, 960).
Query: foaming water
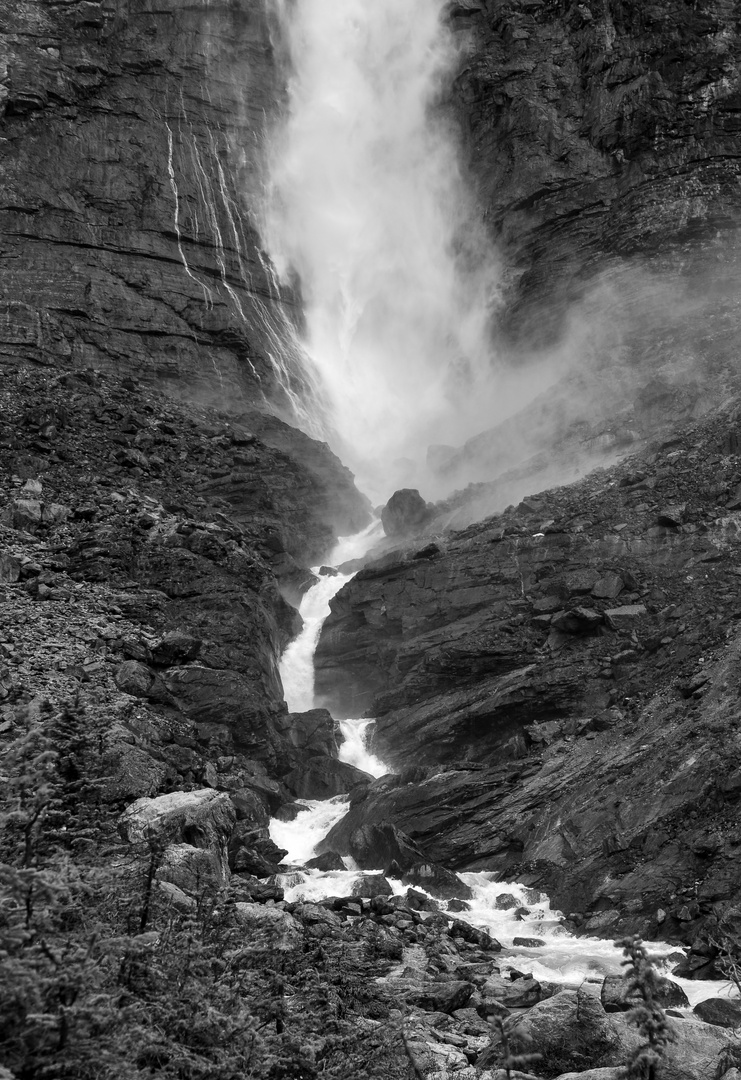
point(354, 749)
point(507, 910)
point(367, 206)
point(300, 836)
point(297, 662)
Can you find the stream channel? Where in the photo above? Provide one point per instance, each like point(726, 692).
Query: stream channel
point(560, 957)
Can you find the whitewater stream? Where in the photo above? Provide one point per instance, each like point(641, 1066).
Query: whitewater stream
point(497, 906)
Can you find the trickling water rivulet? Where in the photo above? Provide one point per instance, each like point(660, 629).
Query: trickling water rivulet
point(366, 204)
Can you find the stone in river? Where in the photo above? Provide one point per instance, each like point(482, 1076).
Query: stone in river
point(719, 1011)
point(330, 860)
point(617, 997)
point(376, 846)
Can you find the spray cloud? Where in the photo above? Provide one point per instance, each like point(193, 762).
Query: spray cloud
point(366, 206)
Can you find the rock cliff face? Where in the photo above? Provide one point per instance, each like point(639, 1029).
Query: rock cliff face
point(602, 129)
point(128, 185)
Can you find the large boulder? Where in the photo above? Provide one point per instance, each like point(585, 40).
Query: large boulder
point(202, 819)
point(719, 1011)
point(375, 847)
point(277, 926)
point(311, 732)
point(438, 880)
point(570, 1029)
point(443, 997)
point(573, 1029)
point(323, 778)
point(176, 647)
point(691, 1055)
point(616, 995)
point(195, 871)
point(405, 514)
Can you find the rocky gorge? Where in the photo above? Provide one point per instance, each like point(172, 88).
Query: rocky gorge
point(550, 651)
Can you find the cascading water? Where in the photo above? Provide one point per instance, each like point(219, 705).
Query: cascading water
point(507, 910)
point(367, 206)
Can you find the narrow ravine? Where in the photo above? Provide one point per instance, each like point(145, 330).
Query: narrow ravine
point(519, 917)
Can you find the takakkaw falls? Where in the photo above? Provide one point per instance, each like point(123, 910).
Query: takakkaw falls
point(370, 540)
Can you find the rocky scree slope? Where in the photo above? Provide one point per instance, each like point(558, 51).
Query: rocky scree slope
point(558, 689)
point(146, 549)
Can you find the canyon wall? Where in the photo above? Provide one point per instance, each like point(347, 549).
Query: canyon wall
point(130, 168)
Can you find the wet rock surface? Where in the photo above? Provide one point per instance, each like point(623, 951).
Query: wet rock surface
point(566, 680)
point(126, 216)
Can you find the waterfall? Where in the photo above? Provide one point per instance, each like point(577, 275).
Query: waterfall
point(367, 207)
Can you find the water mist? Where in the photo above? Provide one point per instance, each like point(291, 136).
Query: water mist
point(366, 206)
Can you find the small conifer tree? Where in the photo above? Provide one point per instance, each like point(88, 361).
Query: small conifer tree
point(647, 1016)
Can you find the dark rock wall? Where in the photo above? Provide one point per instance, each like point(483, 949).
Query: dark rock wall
point(602, 129)
point(127, 182)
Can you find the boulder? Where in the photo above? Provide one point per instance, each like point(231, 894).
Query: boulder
point(330, 860)
point(474, 935)
point(376, 846)
point(176, 647)
point(616, 996)
point(719, 1011)
point(10, 569)
point(438, 880)
point(419, 901)
point(135, 678)
point(572, 1024)
point(443, 997)
point(176, 898)
point(279, 927)
point(203, 819)
point(625, 618)
point(250, 807)
point(251, 851)
point(323, 778)
point(608, 587)
point(691, 1055)
point(311, 732)
point(579, 620)
point(405, 514)
point(506, 901)
point(370, 885)
point(22, 514)
point(496, 991)
point(131, 773)
point(195, 871)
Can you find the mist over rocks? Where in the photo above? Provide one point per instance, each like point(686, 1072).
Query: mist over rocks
point(405, 514)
